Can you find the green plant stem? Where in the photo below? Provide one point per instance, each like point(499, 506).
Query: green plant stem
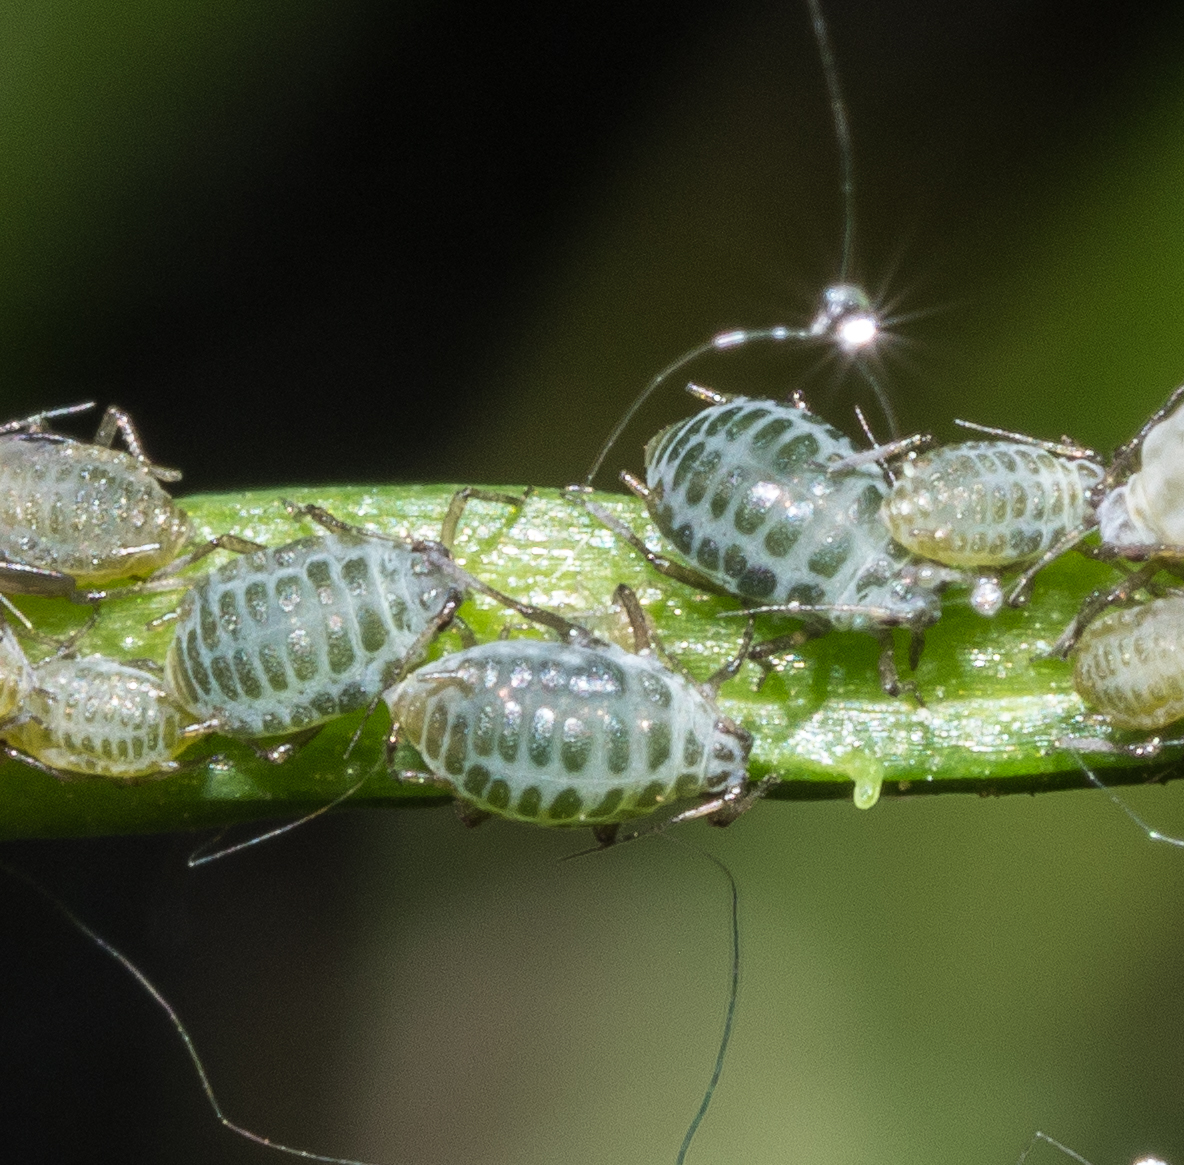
point(994, 716)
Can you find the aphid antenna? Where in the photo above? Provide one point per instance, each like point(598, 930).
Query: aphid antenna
point(1074, 746)
point(1066, 447)
point(33, 424)
point(206, 853)
point(733, 994)
point(1038, 1137)
point(62, 647)
point(1021, 591)
point(846, 317)
point(179, 1027)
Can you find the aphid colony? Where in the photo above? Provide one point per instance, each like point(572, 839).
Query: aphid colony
point(762, 500)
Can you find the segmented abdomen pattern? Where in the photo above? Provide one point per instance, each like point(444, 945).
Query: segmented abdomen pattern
point(987, 503)
point(564, 735)
point(1129, 664)
point(96, 715)
point(84, 510)
point(741, 491)
point(286, 638)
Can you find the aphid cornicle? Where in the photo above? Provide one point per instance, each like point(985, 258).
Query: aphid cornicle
point(743, 491)
point(574, 733)
point(100, 717)
point(281, 640)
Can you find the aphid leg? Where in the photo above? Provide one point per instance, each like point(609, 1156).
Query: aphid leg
point(467, 638)
point(675, 570)
point(890, 679)
point(1125, 455)
point(1021, 592)
point(469, 815)
point(721, 810)
point(445, 616)
point(18, 578)
point(638, 624)
point(322, 517)
point(731, 668)
point(62, 646)
point(764, 651)
point(168, 578)
point(231, 542)
point(1096, 603)
point(33, 763)
point(155, 995)
point(567, 630)
point(281, 753)
point(115, 420)
point(883, 621)
point(460, 499)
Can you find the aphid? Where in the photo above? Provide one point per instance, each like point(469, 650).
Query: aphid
point(1137, 505)
point(988, 505)
point(1128, 664)
point(78, 513)
point(281, 640)
point(100, 717)
point(743, 490)
point(845, 319)
point(1140, 514)
point(574, 733)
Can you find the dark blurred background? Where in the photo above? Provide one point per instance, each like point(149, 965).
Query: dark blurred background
point(357, 241)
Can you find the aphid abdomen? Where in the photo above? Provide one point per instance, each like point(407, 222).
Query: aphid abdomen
point(564, 735)
point(98, 716)
point(987, 503)
point(88, 511)
point(742, 491)
point(287, 638)
point(1129, 664)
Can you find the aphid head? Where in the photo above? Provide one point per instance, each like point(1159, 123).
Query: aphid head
point(845, 314)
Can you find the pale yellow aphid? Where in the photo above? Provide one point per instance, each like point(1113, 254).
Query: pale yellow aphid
point(81, 513)
point(100, 717)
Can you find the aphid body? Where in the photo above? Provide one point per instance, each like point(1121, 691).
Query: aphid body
point(1147, 509)
point(98, 716)
point(987, 503)
point(1129, 664)
point(742, 490)
point(563, 735)
point(283, 639)
point(82, 510)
